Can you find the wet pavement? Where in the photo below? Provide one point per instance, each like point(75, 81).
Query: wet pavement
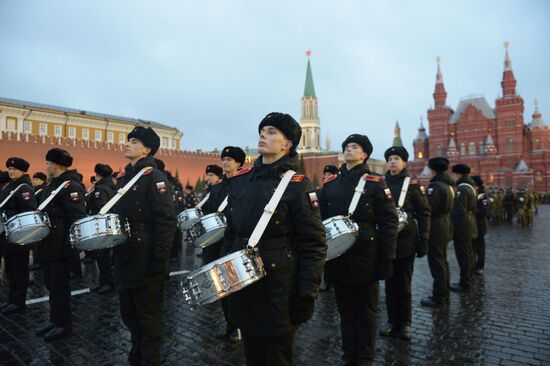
point(504, 321)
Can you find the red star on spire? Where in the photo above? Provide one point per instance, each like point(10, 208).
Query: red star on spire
point(308, 53)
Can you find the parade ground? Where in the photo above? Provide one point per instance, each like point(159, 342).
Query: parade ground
point(505, 320)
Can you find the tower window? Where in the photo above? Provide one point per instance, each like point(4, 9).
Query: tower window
point(472, 148)
point(439, 150)
point(462, 149)
point(420, 155)
point(481, 148)
point(510, 145)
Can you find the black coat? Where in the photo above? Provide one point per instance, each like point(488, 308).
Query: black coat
point(104, 190)
point(292, 247)
point(464, 210)
point(67, 207)
point(218, 192)
point(23, 200)
point(483, 210)
point(38, 192)
point(148, 205)
point(417, 231)
point(441, 197)
point(376, 217)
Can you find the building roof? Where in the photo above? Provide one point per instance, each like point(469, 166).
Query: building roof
point(522, 166)
point(309, 89)
point(478, 103)
point(34, 105)
point(537, 121)
point(421, 133)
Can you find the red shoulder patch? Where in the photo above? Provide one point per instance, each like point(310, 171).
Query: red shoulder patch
point(374, 178)
point(298, 178)
point(331, 179)
point(414, 181)
point(147, 172)
point(122, 174)
point(67, 185)
point(242, 172)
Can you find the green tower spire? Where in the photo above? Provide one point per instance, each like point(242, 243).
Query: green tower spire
point(309, 90)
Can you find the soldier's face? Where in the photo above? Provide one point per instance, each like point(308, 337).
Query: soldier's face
point(354, 152)
point(327, 176)
point(273, 141)
point(395, 164)
point(229, 165)
point(53, 169)
point(134, 148)
point(15, 173)
point(212, 178)
point(37, 182)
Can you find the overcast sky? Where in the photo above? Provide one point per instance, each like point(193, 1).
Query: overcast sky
point(213, 68)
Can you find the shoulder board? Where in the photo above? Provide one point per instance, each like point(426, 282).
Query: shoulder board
point(297, 178)
point(413, 181)
point(374, 178)
point(242, 172)
point(67, 185)
point(147, 172)
point(122, 174)
point(331, 179)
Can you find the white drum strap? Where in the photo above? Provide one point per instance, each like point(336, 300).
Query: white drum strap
point(358, 191)
point(203, 201)
point(89, 192)
point(122, 191)
point(468, 185)
point(223, 205)
point(12, 193)
point(403, 193)
point(269, 209)
point(52, 195)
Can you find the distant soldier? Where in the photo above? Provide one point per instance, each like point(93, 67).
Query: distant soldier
point(440, 193)
point(464, 226)
point(509, 205)
point(482, 214)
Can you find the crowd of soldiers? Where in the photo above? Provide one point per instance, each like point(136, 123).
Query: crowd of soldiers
point(507, 204)
point(392, 233)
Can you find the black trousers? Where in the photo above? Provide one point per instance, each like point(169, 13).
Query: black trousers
point(76, 267)
point(17, 272)
point(465, 257)
point(57, 280)
point(399, 293)
point(104, 261)
point(439, 268)
point(177, 244)
point(269, 350)
point(479, 249)
point(141, 311)
point(358, 307)
point(211, 252)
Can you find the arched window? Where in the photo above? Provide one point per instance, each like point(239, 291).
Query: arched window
point(472, 148)
point(462, 149)
point(510, 145)
point(481, 148)
point(438, 150)
point(537, 144)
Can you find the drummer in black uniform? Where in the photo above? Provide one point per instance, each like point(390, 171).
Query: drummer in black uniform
point(16, 257)
point(214, 175)
point(329, 173)
point(4, 180)
point(104, 190)
point(141, 263)
point(292, 247)
point(411, 240)
point(440, 193)
point(39, 184)
point(355, 274)
point(55, 250)
point(232, 160)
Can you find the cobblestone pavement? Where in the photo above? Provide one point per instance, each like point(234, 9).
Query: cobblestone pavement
point(505, 321)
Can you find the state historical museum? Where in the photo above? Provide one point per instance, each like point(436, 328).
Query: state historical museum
point(495, 142)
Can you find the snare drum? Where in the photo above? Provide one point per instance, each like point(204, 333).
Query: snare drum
point(208, 230)
point(99, 232)
point(341, 233)
point(187, 218)
point(402, 219)
point(27, 227)
point(223, 277)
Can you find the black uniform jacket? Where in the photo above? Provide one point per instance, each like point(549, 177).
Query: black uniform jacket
point(441, 195)
point(148, 205)
point(23, 200)
point(418, 211)
point(482, 212)
point(292, 247)
point(104, 190)
point(376, 217)
point(218, 192)
point(464, 210)
point(66, 208)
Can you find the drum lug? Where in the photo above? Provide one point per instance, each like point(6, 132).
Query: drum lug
point(127, 228)
point(223, 282)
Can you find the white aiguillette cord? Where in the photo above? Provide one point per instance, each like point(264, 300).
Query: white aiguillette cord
point(12, 193)
point(122, 191)
point(404, 190)
point(222, 205)
point(269, 209)
point(358, 191)
point(203, 201)
point(52, 195)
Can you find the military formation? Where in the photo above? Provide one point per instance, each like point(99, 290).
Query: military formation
point(279, 221)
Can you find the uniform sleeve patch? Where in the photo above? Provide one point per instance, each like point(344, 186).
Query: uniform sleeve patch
point(297, 178)
point(313, 200)
point(26, 196)
point(74, 196)
point(97, 194)
point(430, 191)
point(161, 187)
point(388, 193)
